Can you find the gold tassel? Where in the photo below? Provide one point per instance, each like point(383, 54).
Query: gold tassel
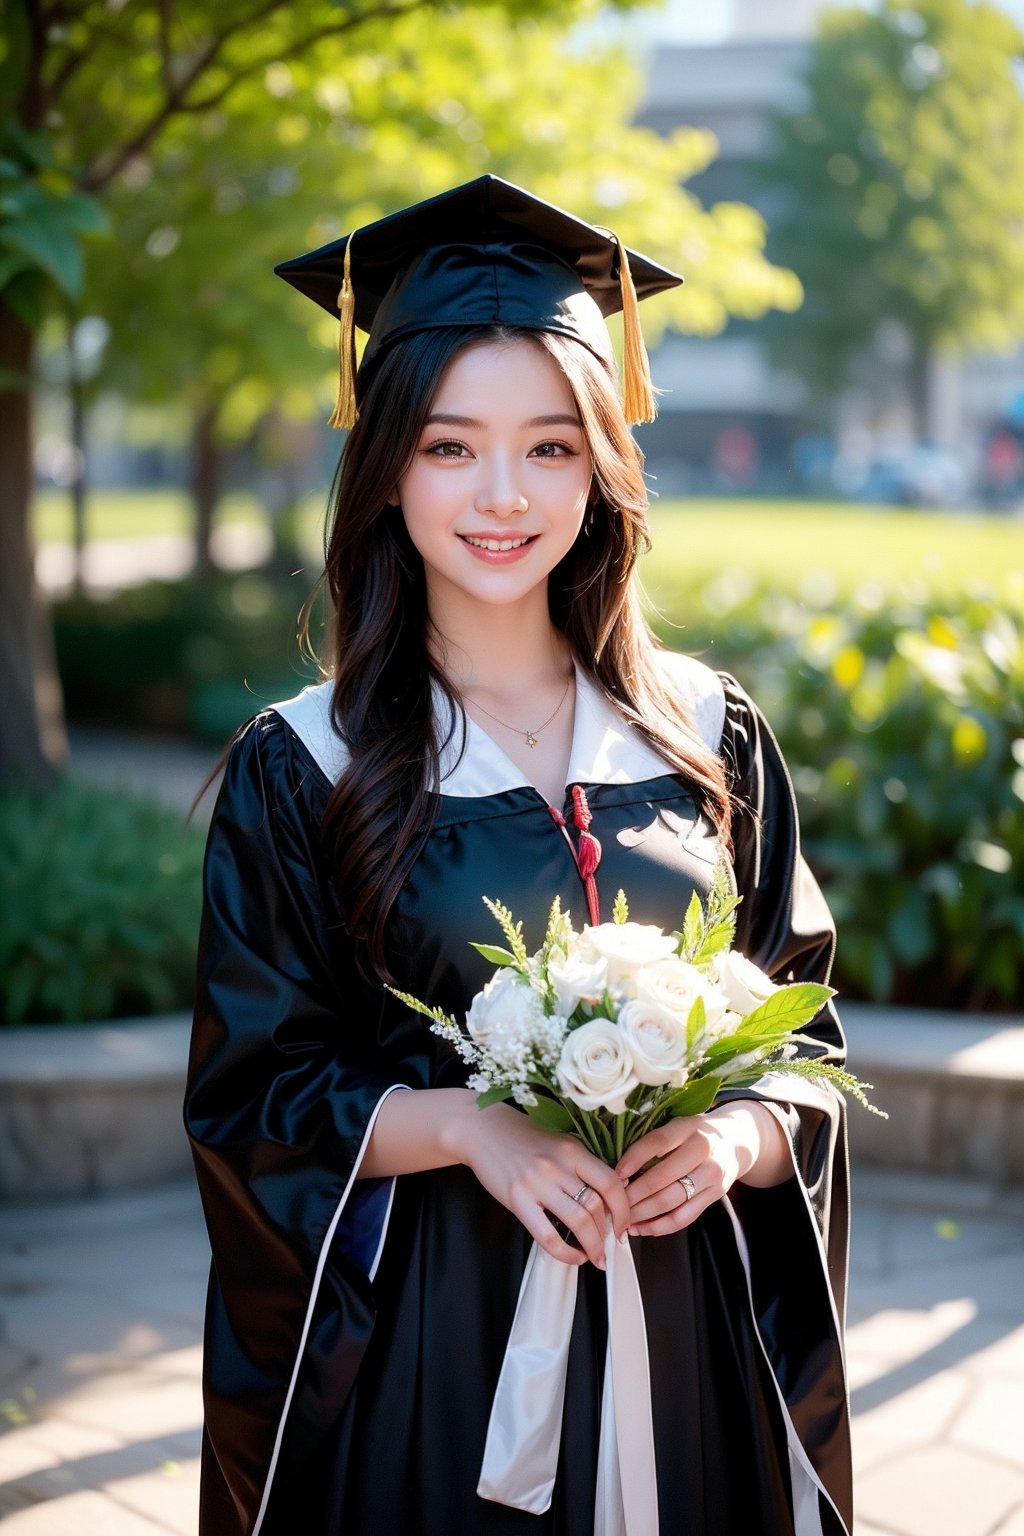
point(345, 413)
point(638, 390)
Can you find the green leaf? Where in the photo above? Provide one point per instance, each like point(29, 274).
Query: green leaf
point(496, 1094)
point(50, 248)
point(696, 1023)
point(11, 263)
point(731, 1046)
point(494, 953)
point(693, 928)
point(788, 1009)
point(84, 214)
point(620, 908)
point(549, 1113)
point(719, 932)
point(693, 1098)
point(33, 147)
point(25, 294)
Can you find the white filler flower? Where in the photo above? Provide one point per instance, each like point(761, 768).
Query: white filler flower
point(508, 1023)
point(595, 1069)
point(627, 947)
point(657, 1042)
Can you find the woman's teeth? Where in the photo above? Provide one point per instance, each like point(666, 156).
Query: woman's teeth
point(498, 545)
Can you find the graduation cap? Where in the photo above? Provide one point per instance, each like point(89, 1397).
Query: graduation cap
point(485, 253)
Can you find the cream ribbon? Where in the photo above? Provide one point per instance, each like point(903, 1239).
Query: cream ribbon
point(525, 1429)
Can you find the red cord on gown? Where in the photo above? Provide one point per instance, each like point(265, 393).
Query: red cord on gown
point(588, 856)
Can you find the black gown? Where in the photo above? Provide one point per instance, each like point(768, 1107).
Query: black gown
point(356, 1328)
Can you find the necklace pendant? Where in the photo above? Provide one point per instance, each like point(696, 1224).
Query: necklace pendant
point(531, 740)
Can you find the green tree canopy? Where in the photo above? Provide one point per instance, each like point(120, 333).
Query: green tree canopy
point(212, 139)
point(900, 185)
point(313, 149)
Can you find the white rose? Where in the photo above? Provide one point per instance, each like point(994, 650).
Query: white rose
point(626, 947)
point(576, 977)
point(595, 1069)
point(507, 1010)
point(675, 985)
point(744, 985)
point(657, 1043)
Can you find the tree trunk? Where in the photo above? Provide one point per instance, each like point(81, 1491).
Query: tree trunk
point(205, 486)
point(79, 475)
point(33, 742)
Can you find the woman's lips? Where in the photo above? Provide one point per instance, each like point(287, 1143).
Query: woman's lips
point(496, 550)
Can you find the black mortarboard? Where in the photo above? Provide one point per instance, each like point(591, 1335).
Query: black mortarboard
point(484, 253)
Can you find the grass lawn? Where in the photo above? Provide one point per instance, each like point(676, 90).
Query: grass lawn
point(809, 547)
point(133, 514)
point(813, 546)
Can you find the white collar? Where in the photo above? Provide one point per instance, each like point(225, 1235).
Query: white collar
point(605, 748)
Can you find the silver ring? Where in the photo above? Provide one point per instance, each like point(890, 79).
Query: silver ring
point(689, 1187)
point(584, 1189)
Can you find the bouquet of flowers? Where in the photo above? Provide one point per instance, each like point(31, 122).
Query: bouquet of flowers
point(607, 1034)
point(610, 1032)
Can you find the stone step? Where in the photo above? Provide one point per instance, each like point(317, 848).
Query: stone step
point(953, 1085)
point(87, 1109)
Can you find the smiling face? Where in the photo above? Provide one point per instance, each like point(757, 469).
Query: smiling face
point(497, 488)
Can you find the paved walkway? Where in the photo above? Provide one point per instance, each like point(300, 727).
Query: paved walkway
point(169, 768)
point(110, 564)
point(100, 1319)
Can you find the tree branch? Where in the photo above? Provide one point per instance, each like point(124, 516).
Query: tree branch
point(73, 62)
point(31, 102)
point(175, 102)
point(53, 15)
point(280, 55)
point(99, 32)
point(105, 167)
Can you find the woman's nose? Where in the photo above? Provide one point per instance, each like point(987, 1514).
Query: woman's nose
point(499, 492)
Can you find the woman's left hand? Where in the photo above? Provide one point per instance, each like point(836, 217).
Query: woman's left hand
point(739, 1140)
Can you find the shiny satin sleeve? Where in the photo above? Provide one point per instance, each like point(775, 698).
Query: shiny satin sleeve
point(785, 927)
point(796, 1233)
point(283, 1087)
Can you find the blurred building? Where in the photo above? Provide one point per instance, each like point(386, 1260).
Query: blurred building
point(732, 421)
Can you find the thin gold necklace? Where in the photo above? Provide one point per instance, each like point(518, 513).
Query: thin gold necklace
point(530, 736)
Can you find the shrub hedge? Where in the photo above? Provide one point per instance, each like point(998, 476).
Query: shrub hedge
point(100, 895)
point(902, 718)
point(901, 713)
point(180, 656)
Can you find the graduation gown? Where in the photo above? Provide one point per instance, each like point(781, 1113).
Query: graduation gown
point(355, 1328)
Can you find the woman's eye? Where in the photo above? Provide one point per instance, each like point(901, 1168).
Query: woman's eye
point(552, 450)
point(447, 449)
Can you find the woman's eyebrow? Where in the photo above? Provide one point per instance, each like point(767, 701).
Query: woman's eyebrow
point(447, 419)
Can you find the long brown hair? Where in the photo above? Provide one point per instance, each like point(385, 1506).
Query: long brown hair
point(385, 802)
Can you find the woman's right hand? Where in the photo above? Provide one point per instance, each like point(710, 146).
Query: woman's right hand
point(533, 1171)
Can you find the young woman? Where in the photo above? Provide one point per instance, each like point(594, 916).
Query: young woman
point(495, 704)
